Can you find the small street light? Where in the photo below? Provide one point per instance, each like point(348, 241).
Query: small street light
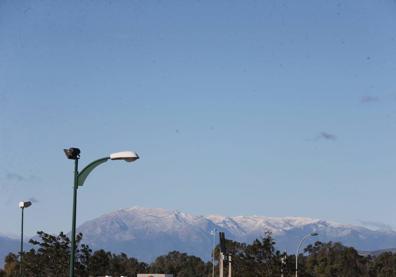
point(314, 234)
point(79, 179)
point(22, 205)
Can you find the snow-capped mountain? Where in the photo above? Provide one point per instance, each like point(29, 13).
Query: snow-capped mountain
point(147, 233)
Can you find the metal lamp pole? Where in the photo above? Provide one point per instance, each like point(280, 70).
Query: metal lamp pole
point(79, 179)
point(74, 213)
point(283, 262)
point(22, 205)
point(213, 233)
point(298, 248)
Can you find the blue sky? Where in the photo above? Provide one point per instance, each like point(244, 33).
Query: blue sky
point(278, 108)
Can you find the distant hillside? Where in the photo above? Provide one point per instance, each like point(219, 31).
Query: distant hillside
point(7, 245)
point(147, 233)
point(377, 252)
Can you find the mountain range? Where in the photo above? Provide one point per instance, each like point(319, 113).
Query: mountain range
point(146, 233)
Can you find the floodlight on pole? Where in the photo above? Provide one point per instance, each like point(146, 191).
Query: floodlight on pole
point(79, 179)
point(26, 204)
point(314, 234)
point(22, 205)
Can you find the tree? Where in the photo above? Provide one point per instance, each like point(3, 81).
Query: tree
point(180, 265)
point(383, 265)
point(11, 265)
point(105, 263)
point(122, 265)
point(100, 263)
point(49, 257)
point(261, 258)
point(257, 259)
point(334, 259)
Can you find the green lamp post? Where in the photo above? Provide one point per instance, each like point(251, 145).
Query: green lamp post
point(79, 179)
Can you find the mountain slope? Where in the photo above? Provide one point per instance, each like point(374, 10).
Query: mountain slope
point(7, 245)
point(147, 233)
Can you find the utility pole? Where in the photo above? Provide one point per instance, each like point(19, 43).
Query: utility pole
point(213, 233)
point(221, 265)
point(229, 265)
point(283, 263)
point(223, 252)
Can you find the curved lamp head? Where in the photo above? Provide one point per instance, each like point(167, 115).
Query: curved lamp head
point(127, 156)
point(24, 204)
point(314, 234)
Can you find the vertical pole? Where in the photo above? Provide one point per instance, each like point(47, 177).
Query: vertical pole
point(298, 250)
point(283, 263)
point(21, 250)
point(73, 231)
point(213, 252)
point(221, 264)
point(229, 265)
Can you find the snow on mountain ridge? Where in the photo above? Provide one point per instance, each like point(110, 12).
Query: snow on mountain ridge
point(249, 224)
point(146, 233)
point(168, 219)
point(147, 222)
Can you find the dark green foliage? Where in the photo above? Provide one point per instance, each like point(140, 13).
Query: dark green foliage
point(384, 265)
point(257, 259)
point(334, 259)
point(106, 263)
point(181, 265)
point(49, 257)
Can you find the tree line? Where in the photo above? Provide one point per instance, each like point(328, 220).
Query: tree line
point(49, 257)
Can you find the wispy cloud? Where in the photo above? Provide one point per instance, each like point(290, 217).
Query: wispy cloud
point(10, 180)
point(16, 177)
point(325, 136)
point(369, 99)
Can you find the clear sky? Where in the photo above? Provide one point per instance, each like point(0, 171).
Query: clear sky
point(276, 107)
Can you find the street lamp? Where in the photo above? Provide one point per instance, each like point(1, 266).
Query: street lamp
point(213, 233)
point(314, 234)
point(79, 179)
point(22, 205)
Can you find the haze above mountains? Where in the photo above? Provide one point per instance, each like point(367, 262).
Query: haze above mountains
point(146, 233)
